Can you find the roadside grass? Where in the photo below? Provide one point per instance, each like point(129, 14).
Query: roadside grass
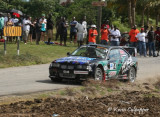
point(31, 54)
point(157, 84)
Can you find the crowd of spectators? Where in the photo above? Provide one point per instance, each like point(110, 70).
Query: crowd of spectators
point(147, 41)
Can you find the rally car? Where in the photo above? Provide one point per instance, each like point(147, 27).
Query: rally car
point(96, 61)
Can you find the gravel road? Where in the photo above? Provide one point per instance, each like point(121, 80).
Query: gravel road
point(27, 79)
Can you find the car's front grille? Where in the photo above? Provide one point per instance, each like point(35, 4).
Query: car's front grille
point(63, 66)
point(70, 67)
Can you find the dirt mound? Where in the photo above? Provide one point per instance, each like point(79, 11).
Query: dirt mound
point(135, 103)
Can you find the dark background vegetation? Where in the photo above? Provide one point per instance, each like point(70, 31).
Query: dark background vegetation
point(123, 13)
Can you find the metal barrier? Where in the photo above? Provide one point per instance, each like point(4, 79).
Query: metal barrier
point(12, 31)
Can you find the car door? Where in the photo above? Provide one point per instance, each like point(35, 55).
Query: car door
point(113, 63)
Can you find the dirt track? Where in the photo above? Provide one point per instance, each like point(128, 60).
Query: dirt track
point(137, 99)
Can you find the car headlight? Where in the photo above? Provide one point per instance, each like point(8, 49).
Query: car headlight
point(89, 68)
point(55, 64)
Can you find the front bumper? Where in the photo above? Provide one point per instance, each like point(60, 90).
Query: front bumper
point(69, 74)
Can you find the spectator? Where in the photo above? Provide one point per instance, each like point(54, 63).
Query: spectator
point(50, 28)
point(1, 25)
point(132, 37)
point(58, 26)
point(80, 33)
point(6, 18)
point(26, 29)
point(31, 30)
point(63, 31)
point(104, 35)
point(84, 23)
point(157, 35)
point(151, 44)
point(115, 35)
point(142, 45)
point(146, 39)
point(38, 31)
point(105, 24)
point(73, 31)
point(43, 23)
point(92, 35)
point(14, 20)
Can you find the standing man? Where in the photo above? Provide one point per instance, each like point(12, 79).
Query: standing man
point(132, 37)
point(142, 44)
point(50, 28)
point(73, 30)
point(26, 29)
point(104, 35)
point(63, 31)
point(58, 27)
point(92, 35)
point(1, 25)
point(151, 44)
point(38, 31)
point(80, 33)
point(115, 35)
point(84, 23)
point(157, 35)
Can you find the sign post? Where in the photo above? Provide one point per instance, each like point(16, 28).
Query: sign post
point(18, 45)
point(99, 4)
point(10, 31)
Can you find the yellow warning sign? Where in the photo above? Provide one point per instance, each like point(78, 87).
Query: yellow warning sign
point(12, 31)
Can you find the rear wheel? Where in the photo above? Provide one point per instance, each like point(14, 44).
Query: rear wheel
point(132, 75)
point(98, 74)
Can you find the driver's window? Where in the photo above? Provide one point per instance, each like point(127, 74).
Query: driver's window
point(114, 54)
point(123, 54)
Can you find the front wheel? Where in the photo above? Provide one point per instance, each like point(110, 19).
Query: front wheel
point(132, 75)
point(98, 74)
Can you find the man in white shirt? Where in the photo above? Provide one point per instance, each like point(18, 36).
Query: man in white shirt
point(84, 23)
point(115, 35)
point(26, 29)
point(80, 29)
point(141, 40)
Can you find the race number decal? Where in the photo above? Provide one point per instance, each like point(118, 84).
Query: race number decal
point(112, 66)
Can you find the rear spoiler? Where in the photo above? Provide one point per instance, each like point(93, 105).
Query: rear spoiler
point(131, 50)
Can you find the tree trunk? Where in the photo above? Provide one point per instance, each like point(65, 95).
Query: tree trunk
point(143, 17)
point(133, 2)
point(147, 16)
point(129, 13)
point(157, 19)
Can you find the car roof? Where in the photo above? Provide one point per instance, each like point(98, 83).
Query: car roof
point(100, 45)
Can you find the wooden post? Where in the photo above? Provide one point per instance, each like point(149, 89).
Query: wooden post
point(5, 49)
point(18, 45)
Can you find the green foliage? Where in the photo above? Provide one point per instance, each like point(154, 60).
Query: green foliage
point(123, 27)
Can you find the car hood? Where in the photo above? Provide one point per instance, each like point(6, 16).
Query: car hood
point(75, 60)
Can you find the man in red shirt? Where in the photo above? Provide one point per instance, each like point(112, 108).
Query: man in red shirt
point(157, 35)
point(132, 37)
point(104, 35)
point(92, 35)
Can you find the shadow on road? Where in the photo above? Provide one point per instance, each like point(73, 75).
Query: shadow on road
point(64, 82)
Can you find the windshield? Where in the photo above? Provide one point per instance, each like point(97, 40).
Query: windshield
point(90, 52)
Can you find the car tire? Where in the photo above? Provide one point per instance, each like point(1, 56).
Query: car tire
point(132, 75)
point(98, 74)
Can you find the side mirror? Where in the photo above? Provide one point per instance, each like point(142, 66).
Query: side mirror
point(68, 53)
